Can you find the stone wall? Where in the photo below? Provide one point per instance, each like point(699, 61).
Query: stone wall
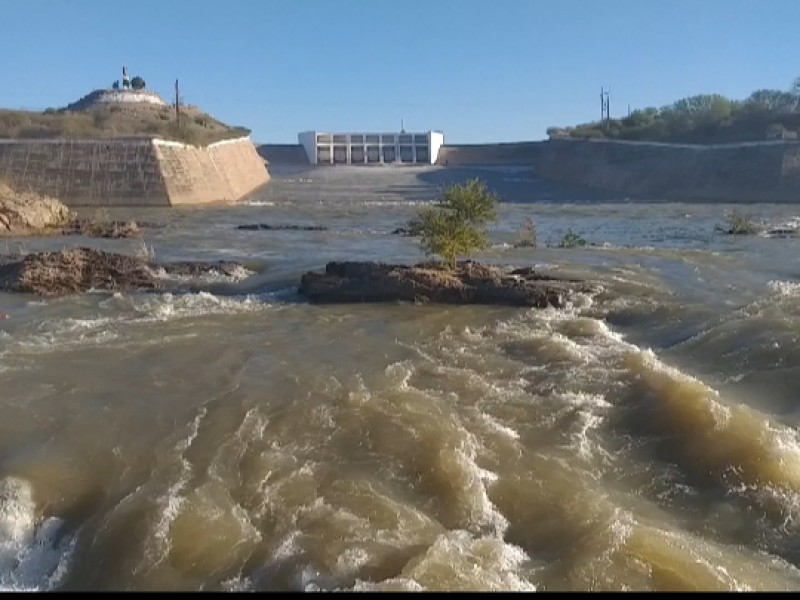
point(85, 172)
point(132, 171)
point(746, 172)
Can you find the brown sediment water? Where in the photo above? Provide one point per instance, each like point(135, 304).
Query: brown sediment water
point(644, 437)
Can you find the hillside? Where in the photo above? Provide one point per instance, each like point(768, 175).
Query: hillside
point(702, 119)
point(117, 120)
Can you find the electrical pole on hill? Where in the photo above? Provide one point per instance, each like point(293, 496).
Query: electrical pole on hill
point(177, 104)
point(605, 106)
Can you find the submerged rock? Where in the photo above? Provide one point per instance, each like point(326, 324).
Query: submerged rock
point(268, 227)
point(468, 283)
point(103, 229)
point(79, 270)
point(404, 231)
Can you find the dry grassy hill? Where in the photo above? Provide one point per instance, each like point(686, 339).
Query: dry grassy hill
point(118, 120)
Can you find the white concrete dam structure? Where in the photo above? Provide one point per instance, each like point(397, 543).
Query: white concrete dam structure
point(325, 148)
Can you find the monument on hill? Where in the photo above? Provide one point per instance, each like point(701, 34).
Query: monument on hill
point(126, 81)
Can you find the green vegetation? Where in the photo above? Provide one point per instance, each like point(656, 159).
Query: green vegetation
point(571, 240)
point(118, 121)
point(456, 225)
point(740, 223)
point(137, 83)
point(527, 235)
point(701, 119)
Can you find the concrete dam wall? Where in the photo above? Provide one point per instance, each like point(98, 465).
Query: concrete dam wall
point(284, 154)
point(133, 171)
point(747, 172)
point(511, 154)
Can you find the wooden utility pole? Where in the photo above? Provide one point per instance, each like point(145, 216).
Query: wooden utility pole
point(177, 104)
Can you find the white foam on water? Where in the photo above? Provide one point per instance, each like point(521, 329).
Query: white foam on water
point(459, 561)
point(590, 409)
point(33, 556)
point(399, 374)
point(496, 426)
point(259, 203)
point(395, 584)
point(238, 584)
point(55, 335)
point(236, 274)
point(481, 513)
point(785, 288)
point(172, 500)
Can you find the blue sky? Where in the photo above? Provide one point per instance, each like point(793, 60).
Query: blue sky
point(480, 70)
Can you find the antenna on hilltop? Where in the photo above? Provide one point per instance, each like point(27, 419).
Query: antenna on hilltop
point(177, 104)
point(402, 128)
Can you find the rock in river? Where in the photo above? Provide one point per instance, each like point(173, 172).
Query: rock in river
point(79, 270)
point(468, 283)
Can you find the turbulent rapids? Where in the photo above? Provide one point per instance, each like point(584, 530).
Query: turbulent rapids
point(642, 436)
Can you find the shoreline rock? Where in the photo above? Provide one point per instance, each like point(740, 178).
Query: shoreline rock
point(79, 270)
point(468, 283)
point(23, 213)
point(30, 215)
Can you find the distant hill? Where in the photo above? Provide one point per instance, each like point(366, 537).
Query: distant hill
point(91, 117)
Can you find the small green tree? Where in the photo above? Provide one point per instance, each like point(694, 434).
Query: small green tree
point(137, 83)
point(740, 223)
point(571, 240)
point(115, 85)
point(456, 225)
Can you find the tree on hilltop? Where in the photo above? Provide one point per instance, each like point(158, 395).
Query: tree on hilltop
point(137, 83)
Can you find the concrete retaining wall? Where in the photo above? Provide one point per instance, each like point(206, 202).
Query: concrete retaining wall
point(515, 153)
point(284, 154)
point(747, 172)
point(132, 171)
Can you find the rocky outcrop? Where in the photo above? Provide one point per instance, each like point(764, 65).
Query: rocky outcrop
point(26, 213)
point(79, 270)
point(468, 283)
point(29, 214)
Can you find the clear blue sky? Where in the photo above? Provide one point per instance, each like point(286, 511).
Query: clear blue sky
point(480, 70)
